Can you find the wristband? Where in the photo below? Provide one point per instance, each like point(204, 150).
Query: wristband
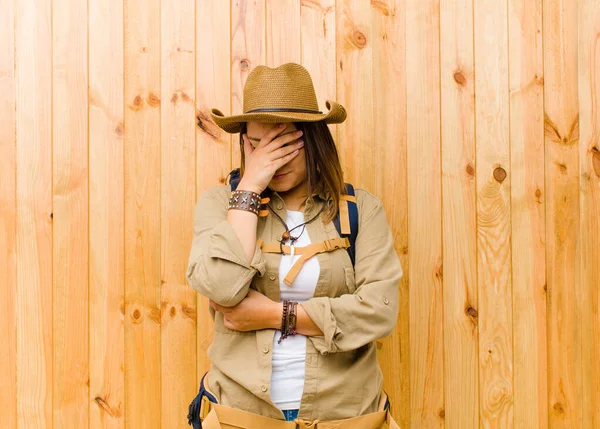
point(245, 200)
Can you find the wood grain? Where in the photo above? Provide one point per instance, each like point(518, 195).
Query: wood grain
point(424, 213)
point(318, 53)
point(562, 213)
point(248, 50)
point(33, 83)
point(589, 194)
point(106, 213)
point(282, 32)
point(8, 218)
point(493, 175)
point(179, 381)
point(461, 304)
point(354, 79)
point(70, 199)
point(142, 146)
point(213, 145)
point(389, 96)
point(528, 213)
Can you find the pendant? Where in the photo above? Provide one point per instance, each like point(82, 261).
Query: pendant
point(286, 235)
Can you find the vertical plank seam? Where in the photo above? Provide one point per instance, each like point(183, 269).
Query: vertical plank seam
point(476, 288)
point(441, 185)
point(89, 375)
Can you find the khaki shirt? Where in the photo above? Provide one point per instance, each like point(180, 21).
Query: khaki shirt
point(352, 307)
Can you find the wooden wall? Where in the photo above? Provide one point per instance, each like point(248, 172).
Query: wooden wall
point(476, 122)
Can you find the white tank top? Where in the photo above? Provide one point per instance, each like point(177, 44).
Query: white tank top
point(288, 360)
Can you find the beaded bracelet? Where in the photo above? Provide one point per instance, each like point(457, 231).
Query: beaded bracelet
point(245, 200)
point(288, 321)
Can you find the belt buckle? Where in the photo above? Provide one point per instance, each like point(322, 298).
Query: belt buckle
point(303, 424)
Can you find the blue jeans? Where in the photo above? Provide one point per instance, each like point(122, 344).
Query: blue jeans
point(290, 414)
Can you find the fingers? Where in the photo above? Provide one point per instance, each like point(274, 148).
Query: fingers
point(278, 163)
point(283, 140)
point(267, 138)
point(286, 150)
point(248, 149)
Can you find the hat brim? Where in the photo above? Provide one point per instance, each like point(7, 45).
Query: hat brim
point(233, 124)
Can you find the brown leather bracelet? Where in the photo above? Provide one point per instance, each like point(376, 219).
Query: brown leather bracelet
point(245, 200)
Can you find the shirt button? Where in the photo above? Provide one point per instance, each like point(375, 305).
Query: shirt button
point(279, 206)
point(264, 388)
point(385, 300)
point(265, 350)
point(272, 277)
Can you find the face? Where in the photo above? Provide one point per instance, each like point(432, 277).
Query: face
point(294, 172)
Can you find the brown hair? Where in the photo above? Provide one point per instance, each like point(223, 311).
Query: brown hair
point(323, 167)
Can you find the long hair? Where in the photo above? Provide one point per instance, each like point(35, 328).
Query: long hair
point(323, 168)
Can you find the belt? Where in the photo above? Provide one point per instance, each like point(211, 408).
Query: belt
point(222, 417)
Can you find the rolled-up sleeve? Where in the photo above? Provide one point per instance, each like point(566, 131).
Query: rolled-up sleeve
point(350, 321)
point(217, 266)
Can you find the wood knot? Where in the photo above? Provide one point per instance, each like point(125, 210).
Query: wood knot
point(499, 174)
point(221, 180)
point(359, 39)
point(538, 193)
point(562, 167)
point(136, 314)
point(185, 97)
point(471, 312)
point(207, 125)
point(596, 161)
point(244, 65)
point(137, 103)
point(558, 407)
point(172, 312)
point(153, 100)
point(154, 315)
point(460, 78)
point(51, 215)
point(143, 49)
point(442, 413)
point(545, 287)
point(104, 406)
point(174, 98)
point(470, 170)
point(189, 312)
point(119, 129)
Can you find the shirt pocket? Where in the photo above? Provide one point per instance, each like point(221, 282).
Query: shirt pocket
point(349, 280)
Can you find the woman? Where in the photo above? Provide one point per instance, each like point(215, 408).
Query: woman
point(297, 306)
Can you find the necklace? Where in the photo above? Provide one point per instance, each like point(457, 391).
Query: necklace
point(287, 235)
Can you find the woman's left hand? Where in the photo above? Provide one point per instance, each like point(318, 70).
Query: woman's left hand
point(253, 313)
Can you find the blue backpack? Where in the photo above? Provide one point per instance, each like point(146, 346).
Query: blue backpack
point(234, 180)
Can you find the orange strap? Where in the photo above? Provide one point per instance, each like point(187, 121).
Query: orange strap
point(307, 252)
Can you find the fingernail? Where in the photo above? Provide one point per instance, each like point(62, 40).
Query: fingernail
point(301, 143)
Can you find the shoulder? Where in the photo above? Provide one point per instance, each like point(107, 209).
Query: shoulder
point(216, 193)
point(366, 201)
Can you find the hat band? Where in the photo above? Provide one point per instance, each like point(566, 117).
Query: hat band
point(275, 109)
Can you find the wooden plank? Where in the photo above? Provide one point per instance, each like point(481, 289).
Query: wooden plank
point(389, 86)
point(70, 198)
point(461, 306)
point(424, 213)
point(317, 42)
point(213, 145)
point(106, 214)
point(282, 25)
point(562, 213)
point(142, 164)
point(493, 215)
point(528, 213)
point(247, 51)
point(33, 60)
point(8, 221)
point(179, 382)
point(589, 233)
point(355, 92)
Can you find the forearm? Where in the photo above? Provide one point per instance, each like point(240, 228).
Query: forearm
point(244, 223)
point(304, 324)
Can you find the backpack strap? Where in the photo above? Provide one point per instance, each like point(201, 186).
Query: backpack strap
point(346, 221)
point(234, 179)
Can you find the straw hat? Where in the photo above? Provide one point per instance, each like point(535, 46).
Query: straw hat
point(282, 94)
